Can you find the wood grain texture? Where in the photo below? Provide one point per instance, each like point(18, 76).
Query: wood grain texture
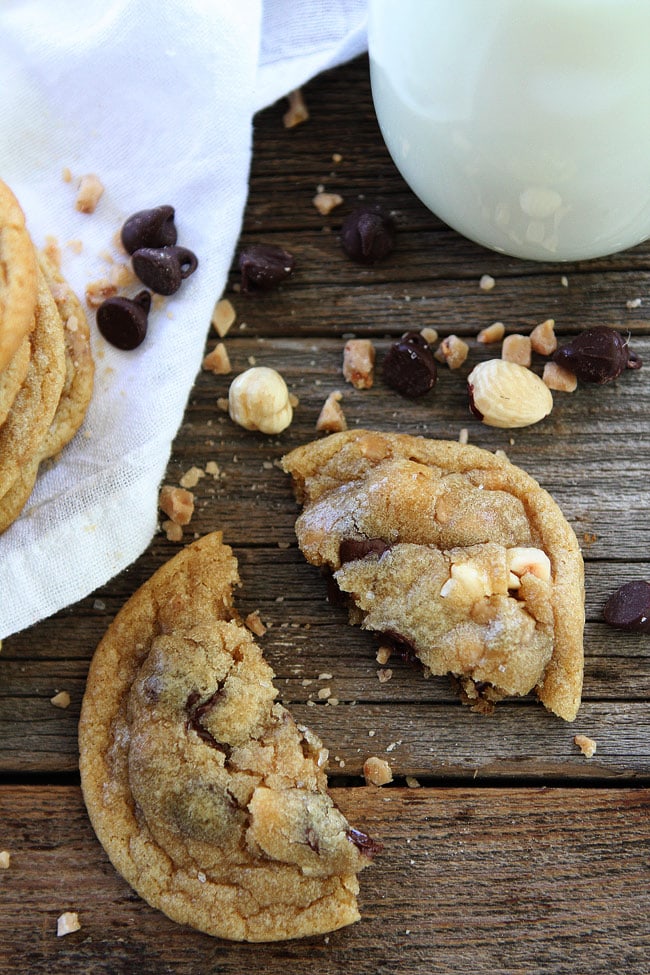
point(487, 867)
point(470, 880)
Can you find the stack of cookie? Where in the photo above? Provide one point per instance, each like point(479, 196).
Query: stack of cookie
point(46, 366)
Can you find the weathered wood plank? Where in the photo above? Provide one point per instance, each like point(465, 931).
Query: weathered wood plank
point(436, 738)
point(499, 880)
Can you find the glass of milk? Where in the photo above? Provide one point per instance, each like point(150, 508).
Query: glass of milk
point(523, 124)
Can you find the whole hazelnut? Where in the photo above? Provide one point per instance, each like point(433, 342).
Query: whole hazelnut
point(258, 399)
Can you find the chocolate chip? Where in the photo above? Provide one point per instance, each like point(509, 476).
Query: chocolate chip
point(409, 366)
point(368, 235)
point(364, 843)
point(402, 646)
point(629, 607)
point(196, 709)
point(123, 321)
point(312, 840)
point(163, 269)
point(352, 549)
point(149, 228)
point(264, 266)
point(597, 355)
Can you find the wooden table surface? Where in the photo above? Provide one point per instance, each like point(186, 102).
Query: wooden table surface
point(516, 853)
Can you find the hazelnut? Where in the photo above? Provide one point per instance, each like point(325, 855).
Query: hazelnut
point(521, 560)
point(258, 399)
point(505, 394)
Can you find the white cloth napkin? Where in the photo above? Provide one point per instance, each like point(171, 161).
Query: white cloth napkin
point(157, 99)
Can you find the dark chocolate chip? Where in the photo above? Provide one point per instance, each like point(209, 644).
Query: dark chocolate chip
point(402, 646)
point(312, 840)
point(123, 321)
point(163, 269)
point(409, 366)
point(149, 228)
point(196, 709)
point(334, 595)
point(368, 235)
point(352, 549)
point(597, 355)
point(629, 607)
point(264, 266)
point(364, 843)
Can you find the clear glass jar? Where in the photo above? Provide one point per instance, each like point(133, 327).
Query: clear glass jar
point(523, 124)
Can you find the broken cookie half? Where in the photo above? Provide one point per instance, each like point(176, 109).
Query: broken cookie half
point(206, 795)
point(452, 552)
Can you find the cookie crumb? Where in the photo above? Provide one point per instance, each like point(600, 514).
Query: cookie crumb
point(586, 745)
point(633, 303)
point(564, 281)
point(384, 675)
point(486, 282)
point(61, 700)
point(324, 693)
point(383, 655)
point(255, 624)
point(326, 202)
point(359, 363)
point(191, 477)
point(213, 469)
point(463, 436)
point(377, 771)
point(66, 174)
point(177, 504)
point(67, 923)
point(297, 113)
point(5, 859)
point(90, 191)
point(122, 276)
point(99, 604)
point(52, 251)
point(412, 782)
point(98, 291)
point(429, 335)
point(331, 418)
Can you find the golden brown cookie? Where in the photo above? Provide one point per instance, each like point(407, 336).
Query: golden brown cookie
point(18, 277)
point(74, 399)
point(453, 552)
point(35, 404)
point(14, 500)
point(13, 376)
point(79, 365)
point(205, 794)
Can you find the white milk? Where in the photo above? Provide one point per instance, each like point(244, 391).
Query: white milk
point(523, 124)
